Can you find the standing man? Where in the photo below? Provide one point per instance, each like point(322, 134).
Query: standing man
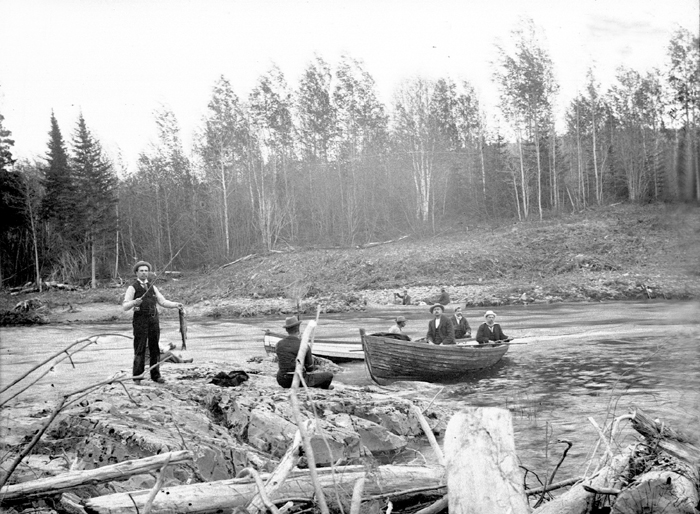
point(287, 350)
point(440, 329)
point(462, 328)
point(143, 297)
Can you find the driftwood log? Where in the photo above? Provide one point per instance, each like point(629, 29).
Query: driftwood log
point(660, 474)
point(578, 499)
point(483, 476)
point(225, 495)
point(73, 479)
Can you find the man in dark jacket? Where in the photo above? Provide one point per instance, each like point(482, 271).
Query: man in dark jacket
point(144, 298)
point(440, 329)
point(287, 350)
point(444, 298)
point(490, 331)
point(462, 328)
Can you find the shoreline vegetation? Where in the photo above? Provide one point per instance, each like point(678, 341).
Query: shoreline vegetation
point(619, 252)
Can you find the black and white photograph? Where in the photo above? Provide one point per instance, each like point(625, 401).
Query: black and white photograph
point(349, 256)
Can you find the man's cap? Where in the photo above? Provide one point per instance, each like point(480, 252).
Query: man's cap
point(142, 263)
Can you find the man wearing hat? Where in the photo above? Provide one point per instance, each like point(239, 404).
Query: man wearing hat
point(490, 331)
point(397, 328)
point(287, 350)
point(144, 298)
point(440, 328)
point(462, 328)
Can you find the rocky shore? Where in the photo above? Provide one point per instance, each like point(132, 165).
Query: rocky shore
point(228, 427)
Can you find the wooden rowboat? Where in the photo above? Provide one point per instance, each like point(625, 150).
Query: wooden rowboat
point(391, 359)
point(330, 349)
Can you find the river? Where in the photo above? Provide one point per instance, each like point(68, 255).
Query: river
point(577, 361)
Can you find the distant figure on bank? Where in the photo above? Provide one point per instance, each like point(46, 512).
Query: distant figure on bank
point(444, 298)
point(405, 298)
point(287, 350)
point(168, 354)
point(397, 327)
point(144, 298)
point(462, 328)
point(440, 329)
point(490, 331)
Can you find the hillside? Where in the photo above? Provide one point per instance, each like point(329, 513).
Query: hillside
point(612, 253)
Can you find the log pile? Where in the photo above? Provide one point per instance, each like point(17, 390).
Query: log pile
point(661, 473)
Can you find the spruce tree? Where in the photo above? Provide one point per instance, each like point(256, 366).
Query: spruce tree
point(96, 182)
point(61, 193)
point(6, 143)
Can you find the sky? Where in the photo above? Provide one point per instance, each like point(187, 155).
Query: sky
point(118, 61)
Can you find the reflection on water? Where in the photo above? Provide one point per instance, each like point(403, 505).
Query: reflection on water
point(580, 361)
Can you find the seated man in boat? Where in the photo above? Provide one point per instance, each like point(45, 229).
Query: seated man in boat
point(490, 331)
point(287, 350)
point(440, 328)
point(397, 327)
point(462, 328)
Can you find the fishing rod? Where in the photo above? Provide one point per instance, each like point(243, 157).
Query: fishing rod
point(153, 282)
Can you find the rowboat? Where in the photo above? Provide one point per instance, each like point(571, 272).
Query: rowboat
point(387, 358)
point(330, 349)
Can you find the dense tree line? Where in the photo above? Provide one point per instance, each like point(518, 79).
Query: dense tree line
point(326, 163)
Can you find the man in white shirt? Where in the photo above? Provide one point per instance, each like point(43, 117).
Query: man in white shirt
point(144, 298)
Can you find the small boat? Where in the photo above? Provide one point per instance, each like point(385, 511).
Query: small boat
point(388, 358)
point(330, 349)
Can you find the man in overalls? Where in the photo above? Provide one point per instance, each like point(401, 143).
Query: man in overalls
point(143, 298)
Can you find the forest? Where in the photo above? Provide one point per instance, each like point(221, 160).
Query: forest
point(324, 163)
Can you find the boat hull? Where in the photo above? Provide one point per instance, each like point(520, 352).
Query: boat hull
point(391, 359)
point(337, 351)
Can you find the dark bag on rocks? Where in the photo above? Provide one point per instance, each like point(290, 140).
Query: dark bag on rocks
point(230, 379)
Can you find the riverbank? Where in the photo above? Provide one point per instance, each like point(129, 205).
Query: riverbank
point(620, 252)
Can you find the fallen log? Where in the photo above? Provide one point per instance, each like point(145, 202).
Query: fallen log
point(229, 494)
point(678, 444)
point(73, 479)
point(482, 468)
point(658, 491)
point(578, 499)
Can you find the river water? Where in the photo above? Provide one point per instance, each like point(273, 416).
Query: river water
point(576, 361)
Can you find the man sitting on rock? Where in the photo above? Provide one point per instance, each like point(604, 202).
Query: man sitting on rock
point(287, 350)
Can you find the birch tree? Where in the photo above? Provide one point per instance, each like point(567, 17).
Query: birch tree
point(222, 149)
point(316, 129)
point(527, 86)
point(415, 132)
point(361, 132)
point(271, 155)
point(684, 82)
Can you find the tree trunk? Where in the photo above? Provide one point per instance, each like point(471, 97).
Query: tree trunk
point(523, 182)
point(93, 262)
point(225, 495)
point(116, 247)
point(224, 194)
point(483, 476)
point(32, 224)
point(56, 484)
point(539, 171)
